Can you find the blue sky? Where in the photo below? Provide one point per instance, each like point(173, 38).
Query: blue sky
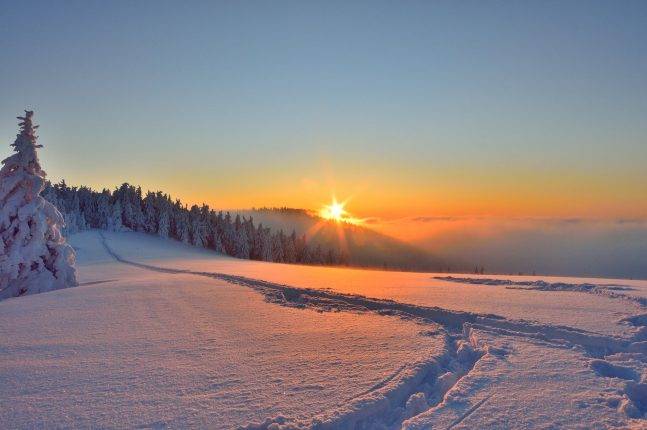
point(404, 105)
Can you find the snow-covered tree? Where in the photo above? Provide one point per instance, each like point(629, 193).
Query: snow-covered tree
point(104, 210)
point(264, 243)
point(164, 224)
point(138, 213)
point(241, 245)
point(150, 214)
point(228, 234)
point(74, 219)
point(301, 246)
point(240, 241)
point(278, 255)
point(217, 243)
point(34, 256)
point(213, 230)
point(198, 226)
point(289, 248)
point(127, 217)
point(182, 230)
point(113, 222)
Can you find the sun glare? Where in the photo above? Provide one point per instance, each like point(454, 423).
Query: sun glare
point(334, 211)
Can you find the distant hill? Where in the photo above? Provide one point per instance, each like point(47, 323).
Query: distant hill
point(365, 247)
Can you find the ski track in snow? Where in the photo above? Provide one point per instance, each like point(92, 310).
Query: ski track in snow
point(607, 290)
point(469, 412)
point(422, 386)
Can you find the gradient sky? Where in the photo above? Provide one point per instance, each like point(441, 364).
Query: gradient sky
point(412, 108)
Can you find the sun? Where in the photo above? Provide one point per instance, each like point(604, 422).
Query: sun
point(334, 211)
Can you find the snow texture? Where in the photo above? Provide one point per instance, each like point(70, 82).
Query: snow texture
point(590, 312)
point(139, 348)
point(165, 335)
point(34, 257)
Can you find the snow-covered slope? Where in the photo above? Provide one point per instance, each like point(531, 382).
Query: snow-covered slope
point(591, 312)
point(164, 335)
point(133, 347)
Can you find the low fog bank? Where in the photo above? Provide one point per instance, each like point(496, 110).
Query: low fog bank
point(558, 246)
point(575, 247)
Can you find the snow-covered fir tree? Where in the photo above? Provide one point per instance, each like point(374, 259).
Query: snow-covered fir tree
point(164, 224)
point(34, 256)
point(182, 228)
point(264, 240)
point(228, 235)
point(300, 245)
point(289, 248)
point(215, 240)
point(104, 210)
point(278, 253)
point(240, 239)
point(150, 213)
point(199, 231)
point(114, 221)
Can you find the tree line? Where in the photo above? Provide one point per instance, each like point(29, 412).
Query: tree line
point(127, 209)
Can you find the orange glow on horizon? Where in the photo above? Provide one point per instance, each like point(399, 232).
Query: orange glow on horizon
point(397, 192)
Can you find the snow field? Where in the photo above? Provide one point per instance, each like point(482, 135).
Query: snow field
point(591, 312)
point(163, 335)
point(625, 402)
point(133, 347)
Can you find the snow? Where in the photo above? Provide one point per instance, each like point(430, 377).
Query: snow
point(570, 308)
point(533, 387)
point(146, 347)
point(160, 334)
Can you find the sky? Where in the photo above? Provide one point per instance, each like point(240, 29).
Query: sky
point(409, 109)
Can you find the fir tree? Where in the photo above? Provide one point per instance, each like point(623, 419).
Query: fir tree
point(182, 227)
point(114, 222)
point(265, 243)
point(164, 225)
point(278, 255)
point(33, 254)
point(150, 214)
point(199, 231)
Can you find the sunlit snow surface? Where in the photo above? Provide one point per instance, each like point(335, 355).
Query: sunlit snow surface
point(585, 311)
point(240, 343)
